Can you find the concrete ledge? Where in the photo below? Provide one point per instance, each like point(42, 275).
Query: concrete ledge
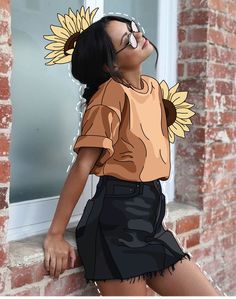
point(30, 250)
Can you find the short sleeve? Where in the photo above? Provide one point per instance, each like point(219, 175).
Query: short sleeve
point(99, 128)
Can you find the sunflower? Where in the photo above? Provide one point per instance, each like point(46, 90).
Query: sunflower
point(65, 36)
point(178, 111)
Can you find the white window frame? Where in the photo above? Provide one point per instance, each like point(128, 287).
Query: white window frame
point(28, 218)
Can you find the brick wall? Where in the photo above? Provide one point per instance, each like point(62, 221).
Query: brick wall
point(5, 122)
point(206, 159)
point(205, 162)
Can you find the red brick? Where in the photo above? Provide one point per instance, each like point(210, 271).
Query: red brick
point(198, 4)
point(230, 165)
point(195, 52)
point(187, 224)
point(4, 255)
point(4, 88)
point(217, 70)
point(224, 87)
point(193, 240)
point(4, 145)
point(180, 69)
point(181, 35)
point(4, 171)
point(227, 242)
point(26, 275)
point(193, 85)
point(5, 62)
point(197, 35)
point(232, 8)
point(216, 37)
point(218, 5)
point(193, 17)
point(4, 31)
point(231, 40)
point(3, 198)
point(5, 5)
point(201, 253)
point(196, 69)
point(3, 223)
point(65, 285)
point(5, 116)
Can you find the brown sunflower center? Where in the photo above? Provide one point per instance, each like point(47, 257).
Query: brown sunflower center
point(70, 42)
point(170, 112)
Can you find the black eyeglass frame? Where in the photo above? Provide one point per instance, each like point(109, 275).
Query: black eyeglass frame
point(130, 35)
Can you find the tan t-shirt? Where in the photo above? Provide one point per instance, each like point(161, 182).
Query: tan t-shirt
point(130, 124)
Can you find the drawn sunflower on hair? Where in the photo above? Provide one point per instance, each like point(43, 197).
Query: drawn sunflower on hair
point(65, 36)
point(178, 111)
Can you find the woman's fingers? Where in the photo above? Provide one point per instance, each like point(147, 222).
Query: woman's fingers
point(52, 265)
point(47, 260)
point(58, 267)
point(72, 256)
point(64, 264)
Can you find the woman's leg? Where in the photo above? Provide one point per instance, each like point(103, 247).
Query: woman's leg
point(186, 280)
point(125, 288)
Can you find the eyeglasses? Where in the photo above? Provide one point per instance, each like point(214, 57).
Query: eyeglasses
point(132, 39)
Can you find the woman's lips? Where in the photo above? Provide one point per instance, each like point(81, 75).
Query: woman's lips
point(145, 43)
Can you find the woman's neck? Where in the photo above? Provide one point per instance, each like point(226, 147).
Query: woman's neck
point(133, 78)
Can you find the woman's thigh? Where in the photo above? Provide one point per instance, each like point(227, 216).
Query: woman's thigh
point(186, 280)
point(125, 288)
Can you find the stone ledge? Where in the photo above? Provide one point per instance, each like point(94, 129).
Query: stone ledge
point(29, 251)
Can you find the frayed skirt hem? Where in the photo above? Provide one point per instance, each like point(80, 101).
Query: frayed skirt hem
point(143, 275)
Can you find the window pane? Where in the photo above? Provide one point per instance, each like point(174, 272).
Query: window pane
point(44, 99)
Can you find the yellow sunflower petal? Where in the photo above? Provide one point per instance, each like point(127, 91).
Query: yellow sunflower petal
point(185, 105)
point(82, 12)
point(70, 24)
point(84, 23)
point(70, 51)
point(184, 127)
point(171, 135)
point(59, 56)
point(184, 113)
point(164, 89)
point(61, 32)
point(54, 38)
point(78, 21)
point(72, 15)
point(87, 15)
point(64, 59)
point(173, 90)
point(177, 129)
point(179, 97)
point(50, 63)
point(62, 20)
point(53, 54)
point(93, 14)
point(55, 46)
point(184, 121)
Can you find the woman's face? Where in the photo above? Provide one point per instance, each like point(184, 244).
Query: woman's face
point(129, 58)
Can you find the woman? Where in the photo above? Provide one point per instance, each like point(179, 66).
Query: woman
point(124, 140)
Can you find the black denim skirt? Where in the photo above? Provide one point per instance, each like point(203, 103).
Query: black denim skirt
point(121, 234)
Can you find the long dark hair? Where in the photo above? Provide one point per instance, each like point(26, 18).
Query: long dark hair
point(93, 49)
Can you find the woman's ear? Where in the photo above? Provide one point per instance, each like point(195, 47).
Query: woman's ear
point(105, 68)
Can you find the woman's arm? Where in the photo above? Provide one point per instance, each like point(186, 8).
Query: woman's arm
point(73, 187)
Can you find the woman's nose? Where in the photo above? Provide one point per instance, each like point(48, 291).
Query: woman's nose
point(138, 34)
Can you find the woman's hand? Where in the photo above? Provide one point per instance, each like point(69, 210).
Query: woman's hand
point(57, 252)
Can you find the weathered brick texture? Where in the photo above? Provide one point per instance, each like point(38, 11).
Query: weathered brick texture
point(205, 160)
